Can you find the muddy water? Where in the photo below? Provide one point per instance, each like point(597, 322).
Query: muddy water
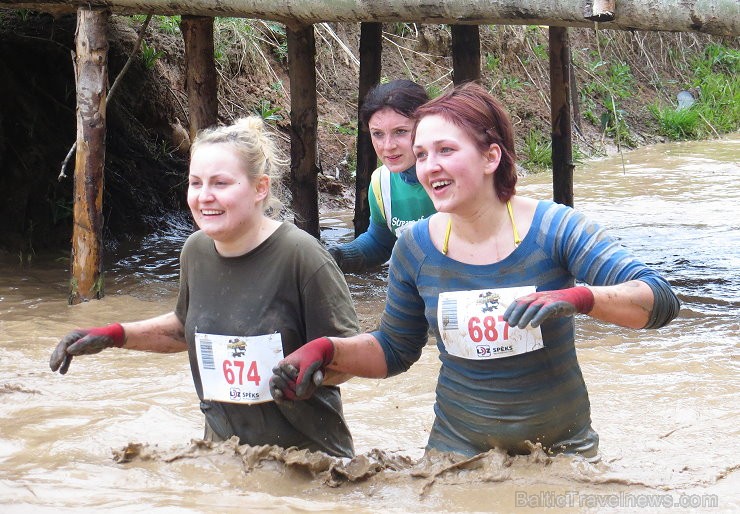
point(121, 430)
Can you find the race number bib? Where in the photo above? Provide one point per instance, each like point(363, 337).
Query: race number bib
point(472, 326)
point(237, 369)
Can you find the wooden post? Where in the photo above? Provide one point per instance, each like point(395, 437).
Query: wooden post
point(465, 53)
point(371, 50)
point(200, 73)
point(91, 75)
point(562, 151)
point(303, 127)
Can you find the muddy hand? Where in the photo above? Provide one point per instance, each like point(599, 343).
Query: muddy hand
point(284, 388)
point(85, 342)
point(535, 308)
point(297, 376)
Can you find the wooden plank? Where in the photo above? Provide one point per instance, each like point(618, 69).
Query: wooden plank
point(303, 127)
point(91, 74)
point(720, 17)
point(562, 151)
point(371, 50)
point(465, 53)
point(200, 73)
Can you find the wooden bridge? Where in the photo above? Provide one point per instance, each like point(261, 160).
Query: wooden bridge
point(718, 17)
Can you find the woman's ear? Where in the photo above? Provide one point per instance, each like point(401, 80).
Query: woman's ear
point(263, 187)
point(493, 157)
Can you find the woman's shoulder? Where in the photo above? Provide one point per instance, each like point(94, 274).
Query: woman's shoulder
point(300, 244)
point(196, 238)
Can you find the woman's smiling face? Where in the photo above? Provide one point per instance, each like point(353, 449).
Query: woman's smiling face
point(451, 167)
point(390, 133)
point(222, 200)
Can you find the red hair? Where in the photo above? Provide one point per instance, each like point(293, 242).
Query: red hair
point(482, 117)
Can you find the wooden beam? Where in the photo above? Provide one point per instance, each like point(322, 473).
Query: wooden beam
point(600, 10)
point(465, 53)
point(718, 17)
point(303, 127)
point(371, 50)
point(91, 75)
point(562, 151)
point(200, 73)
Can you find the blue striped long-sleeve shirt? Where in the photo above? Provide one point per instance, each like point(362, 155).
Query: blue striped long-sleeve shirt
point(538, 396)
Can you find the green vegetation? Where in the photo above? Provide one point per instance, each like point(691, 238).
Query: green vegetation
point(267, 112)
point(716, 83)
point(611, 82)
point(434, 90)
point(347, 129)
point(149, 55)
point(492, 62)
point(538, 148)
point(511, 84)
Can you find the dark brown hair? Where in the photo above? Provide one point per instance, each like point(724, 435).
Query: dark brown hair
point(482, 117)
point(403, 96)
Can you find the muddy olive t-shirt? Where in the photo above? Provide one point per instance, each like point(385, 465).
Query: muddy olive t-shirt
point(288, 284)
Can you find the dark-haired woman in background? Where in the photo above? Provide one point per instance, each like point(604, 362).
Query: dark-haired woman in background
point(396, 198)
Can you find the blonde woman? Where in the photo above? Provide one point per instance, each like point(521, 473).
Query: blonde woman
point(251, 290)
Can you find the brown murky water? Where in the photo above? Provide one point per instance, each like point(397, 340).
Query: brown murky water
point(120, 432)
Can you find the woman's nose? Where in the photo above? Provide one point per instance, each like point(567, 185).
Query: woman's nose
point(205, 194)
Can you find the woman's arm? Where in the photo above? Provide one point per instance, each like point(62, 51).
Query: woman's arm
point(297, 375)
point(163, 334)
point(359, 355)
point(371, 248)
point(628, 304)
point(632, 304)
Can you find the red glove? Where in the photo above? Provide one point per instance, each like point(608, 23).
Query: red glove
point(297, 375)
point(85, 341)
point(537, 307)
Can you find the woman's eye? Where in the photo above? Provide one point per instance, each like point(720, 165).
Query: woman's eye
point(420, 155)
point(401, 132)
point(377, 135)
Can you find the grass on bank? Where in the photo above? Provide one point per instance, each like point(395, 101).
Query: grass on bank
point(716, 80)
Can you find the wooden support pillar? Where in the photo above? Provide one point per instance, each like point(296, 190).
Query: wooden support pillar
point(200, 73)
point(371, 50)
point(303, 127)
point(465, 54)
point(91, 75)
point(562, 151)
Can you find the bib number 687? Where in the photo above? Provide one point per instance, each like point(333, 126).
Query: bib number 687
point(231, 377)
point(485, 328)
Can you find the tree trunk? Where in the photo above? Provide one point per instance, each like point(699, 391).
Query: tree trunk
point(465, 53)
point(562, 151)
point(371, 50)
point(303, 127)
point(91, 70)
point(200, 73)
point(718, 17)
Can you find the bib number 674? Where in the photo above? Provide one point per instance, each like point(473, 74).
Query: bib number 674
point(231, 368)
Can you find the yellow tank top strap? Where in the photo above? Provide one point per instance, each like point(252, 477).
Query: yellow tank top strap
point(446, 244)
point(517, 239)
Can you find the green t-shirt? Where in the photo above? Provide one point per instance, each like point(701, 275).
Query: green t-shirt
point(288, 284)
point(403, 203)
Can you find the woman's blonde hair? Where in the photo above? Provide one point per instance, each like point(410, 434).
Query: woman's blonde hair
point(256, 149)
